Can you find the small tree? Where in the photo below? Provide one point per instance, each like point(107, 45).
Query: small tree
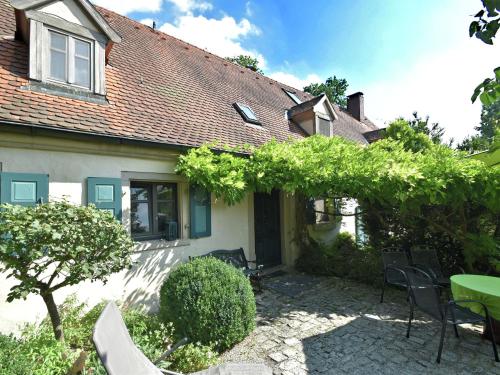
point(246, 61)
point(334, 88)
point(53, 245)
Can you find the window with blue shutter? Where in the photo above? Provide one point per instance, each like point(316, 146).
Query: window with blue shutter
point(200, 212)
point(105, 194)
point(25, 189)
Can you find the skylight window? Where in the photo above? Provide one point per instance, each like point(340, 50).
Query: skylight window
point(293, 96)
point(246, 112)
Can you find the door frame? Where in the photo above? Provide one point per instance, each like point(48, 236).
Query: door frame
point(281, 227)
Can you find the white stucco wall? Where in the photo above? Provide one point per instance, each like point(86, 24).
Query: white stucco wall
point(68, 164)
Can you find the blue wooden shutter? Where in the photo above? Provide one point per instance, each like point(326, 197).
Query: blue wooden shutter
point(200, 212)
point(105, 194)
point(25, 189)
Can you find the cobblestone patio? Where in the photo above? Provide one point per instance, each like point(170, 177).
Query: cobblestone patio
point(339, 327)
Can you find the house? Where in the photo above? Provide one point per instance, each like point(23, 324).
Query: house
point(96, 108)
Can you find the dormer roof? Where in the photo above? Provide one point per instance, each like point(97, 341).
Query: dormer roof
point(311, 105)
point(89, 10)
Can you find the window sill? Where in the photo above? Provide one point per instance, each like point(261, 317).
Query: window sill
point(158, 244)
point(65, 91)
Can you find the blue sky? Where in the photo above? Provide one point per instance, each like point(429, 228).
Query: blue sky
point(411, 55)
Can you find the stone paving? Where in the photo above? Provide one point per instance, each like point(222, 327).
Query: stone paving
point(339, 327)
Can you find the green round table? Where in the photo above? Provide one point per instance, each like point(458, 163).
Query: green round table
point(485, 289)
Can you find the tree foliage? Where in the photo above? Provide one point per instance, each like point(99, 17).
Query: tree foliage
point(422, 125)
point(57, 244)
point(334, 88)
point(485, 28)
point(246, 61)
point(406, 171)
point(490, 124)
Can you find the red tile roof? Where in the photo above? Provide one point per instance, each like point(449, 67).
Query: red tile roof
point(159, 89)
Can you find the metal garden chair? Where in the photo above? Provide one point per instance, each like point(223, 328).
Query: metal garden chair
point(427, 260)
point(394, 264)
point(120, 356)
point(424, 295)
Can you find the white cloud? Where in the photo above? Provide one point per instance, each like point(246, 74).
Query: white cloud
point(438, 85)
point(294, 81)
point(147, 22)
point(129, 6)
point(219, 36)
point(248, 9)
point(187, 6)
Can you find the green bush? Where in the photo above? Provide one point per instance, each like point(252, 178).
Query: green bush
point(12, 361)
point(210, 302)
point(193, 357)
point(343, 258)
point(37, 352)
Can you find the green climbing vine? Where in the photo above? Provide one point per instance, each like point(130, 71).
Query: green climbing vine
point(405, 171)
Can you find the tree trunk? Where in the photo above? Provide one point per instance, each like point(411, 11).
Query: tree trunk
point(48, 298)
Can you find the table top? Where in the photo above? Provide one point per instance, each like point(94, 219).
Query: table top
point(483, 284)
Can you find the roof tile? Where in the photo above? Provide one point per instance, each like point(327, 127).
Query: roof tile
point(159, 89)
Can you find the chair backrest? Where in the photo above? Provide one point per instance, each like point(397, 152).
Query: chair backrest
point(115, 347)
point(397, 259)
point(428, 258)
point(423, 292)
point(235, 257)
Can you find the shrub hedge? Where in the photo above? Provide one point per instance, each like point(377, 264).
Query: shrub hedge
point(210, 302)
point(343, 258)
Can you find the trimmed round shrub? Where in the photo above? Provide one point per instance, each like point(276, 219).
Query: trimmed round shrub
point(210, 302)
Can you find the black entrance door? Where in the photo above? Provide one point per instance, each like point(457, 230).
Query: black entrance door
point(267, 228)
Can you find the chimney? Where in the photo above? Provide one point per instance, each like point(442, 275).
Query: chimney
point(356, 105)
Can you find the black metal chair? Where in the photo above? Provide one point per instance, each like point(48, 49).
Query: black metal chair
point(237, 259)
point(424, 295)
point(427, 260)
point(394, 264)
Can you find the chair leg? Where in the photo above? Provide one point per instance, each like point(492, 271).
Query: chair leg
point(493, 338)
point(456, 330)
point(382, 294)
point(454, 323)
point(441, 342)
point(409, 321)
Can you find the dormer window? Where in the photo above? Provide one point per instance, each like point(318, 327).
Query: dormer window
point(246, 112)
point(323, 126)
point(69, 60)
point(69, 42)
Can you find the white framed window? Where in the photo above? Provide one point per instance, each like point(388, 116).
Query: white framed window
point(69, 59)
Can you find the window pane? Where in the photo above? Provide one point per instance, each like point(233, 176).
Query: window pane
point(58, 41)
point(82, 72)
point(248, 112)
point(165, 191)
point(166, 213)
point(139, 193)
point(82, 49)
point(58, 65)
point(139, 215)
